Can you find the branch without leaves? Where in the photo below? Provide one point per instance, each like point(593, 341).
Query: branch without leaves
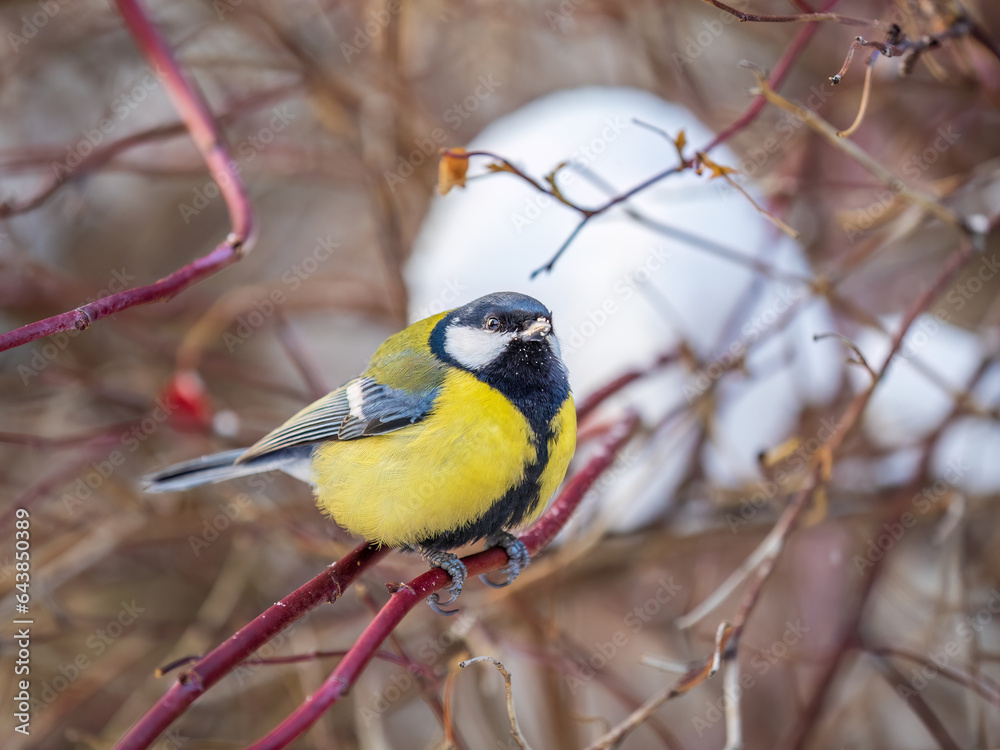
point(407, 596)
point(696, 675)
point(205, 133)
point(515, 729)
point(330, 585)
point(795, 18)
point(852, 150)
point(192, 683)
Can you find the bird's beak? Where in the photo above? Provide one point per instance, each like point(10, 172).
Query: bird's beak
point(536, 331)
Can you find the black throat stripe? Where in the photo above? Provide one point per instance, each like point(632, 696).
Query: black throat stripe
point(507, 512)
point(534, 380)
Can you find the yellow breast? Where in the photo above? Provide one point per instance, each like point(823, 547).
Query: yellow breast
point(436, 475)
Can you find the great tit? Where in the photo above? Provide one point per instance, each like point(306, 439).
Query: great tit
point(461, 428)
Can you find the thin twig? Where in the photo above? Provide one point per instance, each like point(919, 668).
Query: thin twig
point(639, 716)
point(515, 729)
point(839, 75)
point(851, 149)
point(769, 546)
point(797, 18)
point(917, 704)
point(450, 740)
point(300, 357)
point(863, 107)
point(696, 675)
point(793, 233)
point(984, 686)
point(781, 70)
point(102, 156)
point(731, 692)
point(762, 559)
point(861, 360)
point(719, 250)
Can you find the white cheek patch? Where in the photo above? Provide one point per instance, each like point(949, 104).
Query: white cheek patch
point(474, 348)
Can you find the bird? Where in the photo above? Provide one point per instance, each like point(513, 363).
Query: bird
point(460, 429)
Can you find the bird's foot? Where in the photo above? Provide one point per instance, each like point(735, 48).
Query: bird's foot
point(450, 564)
point(517, 554)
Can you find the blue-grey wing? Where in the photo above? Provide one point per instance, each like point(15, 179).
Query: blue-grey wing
point(360, 408)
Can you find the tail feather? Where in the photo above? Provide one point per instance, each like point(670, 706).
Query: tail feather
point(217, 467)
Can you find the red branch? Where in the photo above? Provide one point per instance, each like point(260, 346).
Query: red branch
point(198, 119)
point(329, 585)
point(777, 77)
point(409, 595)
point(326, 587)
point(781, 70)
point(598, 397)
point(806, 722)
point(105, 155)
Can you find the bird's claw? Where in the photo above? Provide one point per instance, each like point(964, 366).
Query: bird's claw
point(450, 564)
point(435, 603)
point(517, 558)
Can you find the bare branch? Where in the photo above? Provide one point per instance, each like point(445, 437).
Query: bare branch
point(192, 684)
point(797, 18)
point(515, 729)
point(852, 150)
point(403, 599)
point(698, 673)
point(198, 119)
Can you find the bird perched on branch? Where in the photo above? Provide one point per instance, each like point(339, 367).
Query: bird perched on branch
point(461, 428)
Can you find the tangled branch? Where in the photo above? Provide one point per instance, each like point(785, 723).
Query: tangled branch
point(208, 139)
point(329, 586)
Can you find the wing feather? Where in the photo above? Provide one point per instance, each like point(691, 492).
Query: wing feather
point(361, 408)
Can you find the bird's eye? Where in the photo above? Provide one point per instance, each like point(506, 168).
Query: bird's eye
point(493, 324)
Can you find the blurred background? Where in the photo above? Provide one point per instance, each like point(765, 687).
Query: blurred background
point(878, 627)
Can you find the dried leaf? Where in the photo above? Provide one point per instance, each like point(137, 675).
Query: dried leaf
point(771, 457)
point(499, 166)
point(679, 143)
point(451, 171)
point(718, 170)
point(551, 179)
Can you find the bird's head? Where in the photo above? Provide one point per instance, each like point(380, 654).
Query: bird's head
point(501, 338)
